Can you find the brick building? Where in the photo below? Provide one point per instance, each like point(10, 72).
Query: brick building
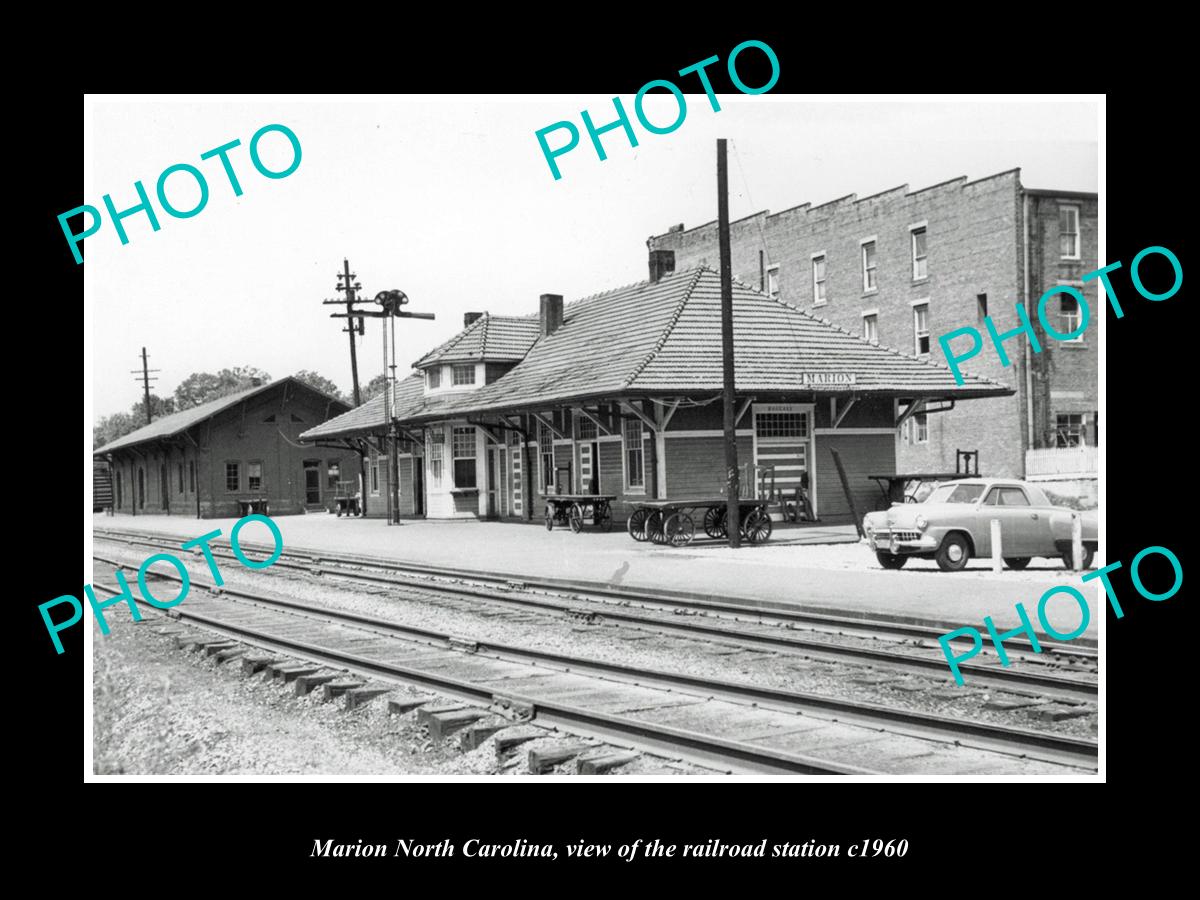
point(903, 267)
point(620, 393)
point(210, 460)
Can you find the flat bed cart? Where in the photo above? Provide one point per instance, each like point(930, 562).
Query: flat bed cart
point(345, 502)
point(573, 509)
point(673, 522)
point(895, 487)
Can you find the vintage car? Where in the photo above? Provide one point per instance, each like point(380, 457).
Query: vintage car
point(953, 524)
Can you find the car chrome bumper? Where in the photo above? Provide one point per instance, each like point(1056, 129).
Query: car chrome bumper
point(901, 542)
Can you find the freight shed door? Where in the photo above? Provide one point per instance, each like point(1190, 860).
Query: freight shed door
point(782, 436)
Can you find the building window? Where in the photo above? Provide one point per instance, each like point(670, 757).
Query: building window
point(433, 377)
point(545, 438)
point(1071, 430)
point(871, 327)
point(1068, 232)
point(333, 474)
point(462, 446)
point(918, 254)
point(254, 476)
point(781, 425)
point(635, 475)
point(180, 467)
point(120, 502)
point(232, 477)
point(868, 266)
point(1070, 317)
point(818, 275)
point(462, 374)
point(192, 477)
point(773, 281)
point(437, 452)
point(921, 329)
point(981, 304)
point(585, 428)
point(373, 471)
point(916, 429)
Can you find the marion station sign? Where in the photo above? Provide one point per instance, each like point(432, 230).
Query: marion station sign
point(828, 380)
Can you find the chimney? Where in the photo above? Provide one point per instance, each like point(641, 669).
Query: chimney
point(662, 263)
point(469, 318)
point(675, 229)
point(551, 313)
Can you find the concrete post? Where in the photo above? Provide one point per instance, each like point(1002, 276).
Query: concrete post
point(997, 550)
point(1076, 542)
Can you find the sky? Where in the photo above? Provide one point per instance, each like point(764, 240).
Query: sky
point(450, 200)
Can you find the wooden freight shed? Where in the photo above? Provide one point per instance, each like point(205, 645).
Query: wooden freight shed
point(620, 393)
point(230, 456)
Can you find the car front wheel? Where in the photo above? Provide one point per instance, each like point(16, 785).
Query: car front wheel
point(890, 560)
point(953, 554)
point(1016, 563)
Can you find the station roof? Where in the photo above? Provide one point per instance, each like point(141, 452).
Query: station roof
point(664, 337)
point(177, 423)
point(490, 338)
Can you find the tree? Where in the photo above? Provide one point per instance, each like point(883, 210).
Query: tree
point(374, 387)
point(109, 428)
point(321, 383)
point(201, 387)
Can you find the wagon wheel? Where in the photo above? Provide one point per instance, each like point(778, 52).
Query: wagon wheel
point(654, 527)
point(603, 516)
point(678, 530)
point(549, 517)
point(575, 517)
point(757, 527)
point(636, 526)
point(714, 522)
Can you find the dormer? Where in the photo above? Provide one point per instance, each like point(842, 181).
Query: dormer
point(486, 348)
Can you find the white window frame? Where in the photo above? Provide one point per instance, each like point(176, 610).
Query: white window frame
point(545, 447)
point(820, 255)
point(1083, 424)
point(870, 314)
point(626, 426)
point(1078, 230)
point(1078, 285)
point(773, 281)
point(437, 456)
point(862, 262)
point(454, 457)
point(433, 378)
point(455, 368)
point(916, 305)
point(913, 230)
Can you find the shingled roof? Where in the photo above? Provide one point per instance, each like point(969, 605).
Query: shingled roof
point(664, 337)
point(179, 422)
point(491, 338)
point(369, 418)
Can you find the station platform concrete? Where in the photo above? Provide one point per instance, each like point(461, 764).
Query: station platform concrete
point(817, 567)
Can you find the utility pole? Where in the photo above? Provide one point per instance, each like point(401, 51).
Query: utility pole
point(145, 379)
point(732, 488)
point(354, 322)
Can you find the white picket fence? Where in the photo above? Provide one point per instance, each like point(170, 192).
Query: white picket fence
point(1062, 461)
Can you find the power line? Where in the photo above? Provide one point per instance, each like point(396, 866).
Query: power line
point(145, 379)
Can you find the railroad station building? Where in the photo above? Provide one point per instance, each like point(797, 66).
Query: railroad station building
point(902, 267)
point(620, 393)
point(230, 456)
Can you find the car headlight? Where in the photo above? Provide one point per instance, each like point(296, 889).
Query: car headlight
point(922, 522)
point(867, 528)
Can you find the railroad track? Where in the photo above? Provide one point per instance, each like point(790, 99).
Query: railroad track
point(744, 727)
point(895, 646)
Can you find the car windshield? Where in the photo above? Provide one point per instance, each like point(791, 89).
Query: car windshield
point(956, 493)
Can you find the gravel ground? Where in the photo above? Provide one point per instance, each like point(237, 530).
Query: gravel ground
point(635, 646)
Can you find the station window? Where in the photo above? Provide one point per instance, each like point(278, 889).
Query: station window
point(333, 473)
point(180, 466)
point(462, 374)
point(1071, 430)
point(1068, 232)
point(773, 281)
point(433, 377)
point(546, 456)
point(118, 483)
point(233, 479)
point(437, 451)
point(463, 447)
point(254, 479)
point(1070, 316)
point(871, 327)
point(192, 476)
point(373, 470)
point(870, 282)
point(921, 329)
point(918, 254)
point(586, 429)
point(818, 276)
point(916, 429)
point(772, 425)
point(635, 453)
